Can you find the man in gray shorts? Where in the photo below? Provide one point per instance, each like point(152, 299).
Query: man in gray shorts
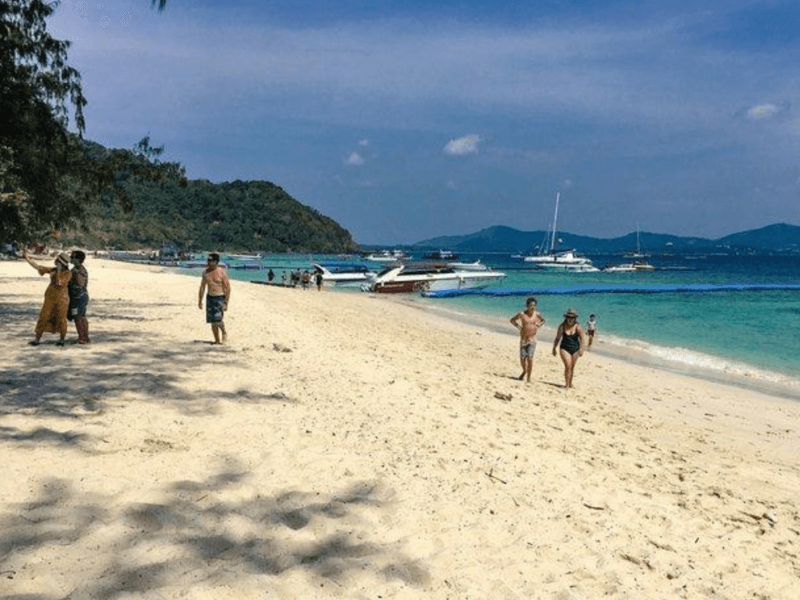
point(528, 323)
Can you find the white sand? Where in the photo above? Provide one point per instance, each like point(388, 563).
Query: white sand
point(374, 459)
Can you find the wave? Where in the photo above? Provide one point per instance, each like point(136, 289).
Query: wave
point(704, 366)
point(665, 288)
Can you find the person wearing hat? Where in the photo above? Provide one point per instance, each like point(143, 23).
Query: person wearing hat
point(53, 316)
point(569, 342)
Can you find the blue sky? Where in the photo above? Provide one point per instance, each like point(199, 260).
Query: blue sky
point(408, 120)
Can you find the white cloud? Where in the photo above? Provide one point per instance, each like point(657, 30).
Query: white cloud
point(364, 142)
point(452, 185)
point(762, 111)
point(463, 145)
point(354, 160)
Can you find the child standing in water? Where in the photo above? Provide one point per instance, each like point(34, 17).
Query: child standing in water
point(528, 323)
point(591, 328)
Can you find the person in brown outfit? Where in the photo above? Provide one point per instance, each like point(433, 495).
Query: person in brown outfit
point(53, 316)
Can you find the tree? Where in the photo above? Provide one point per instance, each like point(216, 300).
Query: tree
point(36, 87)
point(47, 177)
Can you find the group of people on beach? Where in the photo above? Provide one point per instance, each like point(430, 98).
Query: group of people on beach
point(65, 298)
point(570, 341)
point(305, 278)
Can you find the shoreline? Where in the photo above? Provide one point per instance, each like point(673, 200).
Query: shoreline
point(643, 354)
point(344, 447)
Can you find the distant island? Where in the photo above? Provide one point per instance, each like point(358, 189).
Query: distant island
point(779, 238)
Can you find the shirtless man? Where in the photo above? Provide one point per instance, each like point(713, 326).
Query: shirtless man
point(528, 323)
point(219, 293)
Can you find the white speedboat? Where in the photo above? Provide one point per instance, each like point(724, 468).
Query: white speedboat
point(637, 261)
point(405, 278)
point(473, 266)
point(446, 255)
point(244, 257)
point(386, 256)
point(630, 267)
point(343, 274)
point(564, 260)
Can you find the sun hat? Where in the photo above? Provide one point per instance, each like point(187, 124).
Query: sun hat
point(63, 258)
point(571, 313)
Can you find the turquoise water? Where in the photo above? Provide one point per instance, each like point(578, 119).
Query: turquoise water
point(742, 333)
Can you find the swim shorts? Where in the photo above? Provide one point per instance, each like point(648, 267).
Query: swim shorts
point(77, 306)
point(215, 309)
point(527, 350)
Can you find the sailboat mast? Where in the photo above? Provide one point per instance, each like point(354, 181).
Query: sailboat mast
point(555, 220)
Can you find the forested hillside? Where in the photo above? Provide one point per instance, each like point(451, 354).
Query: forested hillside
point(195, 215)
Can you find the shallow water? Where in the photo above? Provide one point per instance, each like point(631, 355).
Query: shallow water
point(750, 334)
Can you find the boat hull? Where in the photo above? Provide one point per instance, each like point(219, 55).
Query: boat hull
point(434, 284)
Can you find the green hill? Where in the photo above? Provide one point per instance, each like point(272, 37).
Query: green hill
point(199, 215)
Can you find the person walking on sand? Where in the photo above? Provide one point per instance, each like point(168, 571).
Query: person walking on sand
point(318, 279)
point(570, 342)
point(591, 329)
point(219, 294)
point(53, 316)
point(79, 296)
point(528, 322)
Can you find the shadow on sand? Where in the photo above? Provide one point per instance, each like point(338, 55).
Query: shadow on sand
point(198, 532)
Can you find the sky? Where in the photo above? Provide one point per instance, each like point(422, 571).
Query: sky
point(404, 120)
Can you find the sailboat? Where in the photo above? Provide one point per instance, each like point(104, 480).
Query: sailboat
point(638, 261)
point(565, 260)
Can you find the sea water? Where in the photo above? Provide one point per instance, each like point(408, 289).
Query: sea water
point(749, 336)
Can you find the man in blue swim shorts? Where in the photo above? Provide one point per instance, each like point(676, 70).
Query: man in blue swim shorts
point(219, 293)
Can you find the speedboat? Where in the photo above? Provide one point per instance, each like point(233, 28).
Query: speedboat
point(446, 255)
point(638, 261)
point(406, 278)
point(342, 274)
point(386, 256)
point(243, 257)
point(630, 267)
point(473, 266)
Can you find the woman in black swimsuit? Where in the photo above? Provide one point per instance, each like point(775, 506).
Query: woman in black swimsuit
point(570, 342)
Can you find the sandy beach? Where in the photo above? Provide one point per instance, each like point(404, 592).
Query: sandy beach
point(352, 446)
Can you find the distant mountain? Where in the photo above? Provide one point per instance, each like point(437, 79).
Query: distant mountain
point(780, 237)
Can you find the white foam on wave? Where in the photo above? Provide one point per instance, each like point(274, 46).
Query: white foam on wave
point(674, 359)
point(702, 365)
